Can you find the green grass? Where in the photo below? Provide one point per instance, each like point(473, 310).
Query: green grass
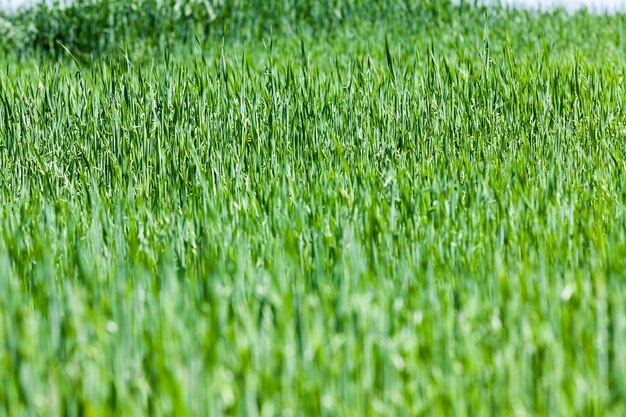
point(412, 214)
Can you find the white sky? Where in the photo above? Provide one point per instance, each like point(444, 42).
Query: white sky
point(594, 5)
point(597, 5)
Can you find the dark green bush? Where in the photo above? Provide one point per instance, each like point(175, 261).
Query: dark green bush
point(93, 26)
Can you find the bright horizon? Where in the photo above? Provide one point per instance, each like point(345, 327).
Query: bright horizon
point(596, 5)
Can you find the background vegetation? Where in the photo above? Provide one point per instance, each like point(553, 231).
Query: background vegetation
point(311, 208)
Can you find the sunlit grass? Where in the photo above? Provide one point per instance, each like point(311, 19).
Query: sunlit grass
point(379, 220)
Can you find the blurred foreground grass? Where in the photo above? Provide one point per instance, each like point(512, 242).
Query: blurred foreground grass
point(376, 213)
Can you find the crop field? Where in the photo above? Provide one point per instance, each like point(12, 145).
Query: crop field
point(312, 208)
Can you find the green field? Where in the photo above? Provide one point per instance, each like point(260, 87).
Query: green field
point(312, 208)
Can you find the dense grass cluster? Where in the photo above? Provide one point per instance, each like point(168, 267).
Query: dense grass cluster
point(413, 214)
